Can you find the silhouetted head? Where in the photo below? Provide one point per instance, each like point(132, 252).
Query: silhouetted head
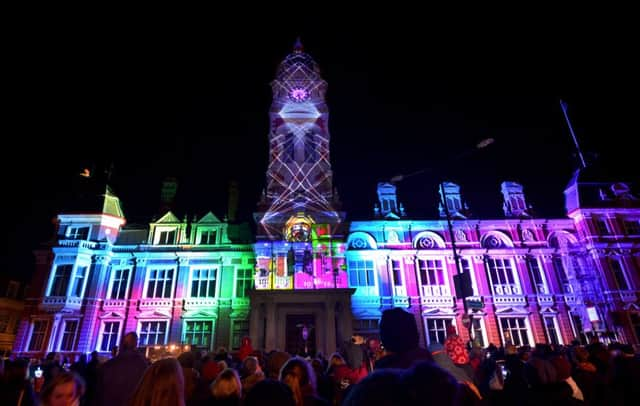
point(270, 392)
point(129, 342)
point(398, 330)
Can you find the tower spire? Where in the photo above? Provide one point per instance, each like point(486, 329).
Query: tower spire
point(573, 135)
point(297, 47)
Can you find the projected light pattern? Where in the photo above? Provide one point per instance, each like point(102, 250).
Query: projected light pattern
point(299, 176)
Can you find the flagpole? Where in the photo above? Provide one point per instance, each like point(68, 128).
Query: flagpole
point(573, 135)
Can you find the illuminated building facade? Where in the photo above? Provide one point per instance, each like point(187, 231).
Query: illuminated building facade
point(308, 279)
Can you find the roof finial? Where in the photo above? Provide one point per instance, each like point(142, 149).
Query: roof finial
point(297, 47)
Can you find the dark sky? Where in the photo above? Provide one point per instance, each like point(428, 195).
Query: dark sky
point(191, 101)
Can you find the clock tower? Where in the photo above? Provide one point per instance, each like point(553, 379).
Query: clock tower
point(299, 190)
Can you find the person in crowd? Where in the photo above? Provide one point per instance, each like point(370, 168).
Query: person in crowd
point(245, 348)
point(191, 376)
point(444, 361)
point(299, 376)
point(162, 384)
point(383, 387)
point(227, 388)
point(457, 350)
point(356, 355)
point(400, 339)
point(65, 389)
point(270, 392)
point(118, 377)
point(251, 373)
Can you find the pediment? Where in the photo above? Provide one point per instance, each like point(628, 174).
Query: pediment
point(209, 218)
point(111, 315)
point(438, 310)
point(168, 218)
point(631, 306)
point(199, 314)
point(512, 310)
point(154, 314)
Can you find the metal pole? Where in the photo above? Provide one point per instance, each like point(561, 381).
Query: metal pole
point(456, 257)
point(573, 135)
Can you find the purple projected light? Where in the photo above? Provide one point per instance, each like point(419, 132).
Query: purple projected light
point(298, 94)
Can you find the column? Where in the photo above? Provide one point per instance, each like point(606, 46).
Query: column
point(180, 292)
point(270, 339)
point(89, 327)
point(255, 315)
point(330, 329)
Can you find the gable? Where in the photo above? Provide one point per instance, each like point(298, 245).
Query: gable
point(168, 218)
point(209, 218)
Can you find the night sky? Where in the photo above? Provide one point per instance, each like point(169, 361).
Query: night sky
point(193, 103)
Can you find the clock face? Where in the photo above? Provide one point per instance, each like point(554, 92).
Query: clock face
point(298, 94)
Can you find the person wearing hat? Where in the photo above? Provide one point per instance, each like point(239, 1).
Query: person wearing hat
point(400, 340)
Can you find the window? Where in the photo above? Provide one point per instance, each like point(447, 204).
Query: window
point(437, 330)
point(208, 237)
point(535, 272)
point(160, 281)
point(478, 335)
point(153, 332)
point(515, 329)
point(110, 334)
point(432, 278)
point(69, 335)
point(361, 273)
point(465, 264)
point(38, 332)
point(561, 274)
point(119, 282)
point(78, 281)
point(576, 325)
point(240, 329)
point(601, 226)
point(396, 269)
point(244, 282)
point(502, 277)
point(78, 233)
point(203, 283)
point(632, 227)
point(198, 333)
point(551, 330)
point(619, 274)
point(60, 283)
point(453, 204)
point(167, 237)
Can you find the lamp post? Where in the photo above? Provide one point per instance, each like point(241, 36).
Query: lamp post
point(467, 318)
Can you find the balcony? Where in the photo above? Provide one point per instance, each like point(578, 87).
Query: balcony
point(59, 303)
point(154, 303)
point(240, 302)
point(506, 289)
point(399, 291)
point(509, 300)
point(78, 243)
point(435, 290)
point(365, 301)
point(627, 296)
point(200, 302)
point(570, 299)
point(545, 300)
point(262, 282)
point(114, 304)
point(437, 301)
point(283, 282)
point(400, 301)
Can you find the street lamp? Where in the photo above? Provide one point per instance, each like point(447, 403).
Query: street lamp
point(463, 279)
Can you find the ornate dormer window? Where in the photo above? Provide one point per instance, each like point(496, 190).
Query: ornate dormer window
point(78, 232)
point(514, 201)
point(388, 201)
point(450, 194)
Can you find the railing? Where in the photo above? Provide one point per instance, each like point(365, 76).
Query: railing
point(400, 290)
point(240, 302)
point(262, 282)
point(152, 303)
point(506, 289)
point(192, 302)
point(567, 288)
point(541, 289)
point(284, 282)
point(545, 300)
point(60, 302)
point(400, 301)
point(569, 299)
point(114, 303)
point(437, 301)
point(435, 290)
point(628, 296)
point(77, 243)
point(509, 300)
point(365, 301)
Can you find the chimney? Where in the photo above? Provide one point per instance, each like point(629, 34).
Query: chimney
point(168, 194)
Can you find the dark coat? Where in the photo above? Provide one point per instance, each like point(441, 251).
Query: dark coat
point(119, 377)
point(404, 360)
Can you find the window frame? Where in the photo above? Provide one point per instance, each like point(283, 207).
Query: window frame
point(140, 332)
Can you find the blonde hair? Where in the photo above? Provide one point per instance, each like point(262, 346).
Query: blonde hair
point(227, 385)
point(162, 385)
point(299, 376)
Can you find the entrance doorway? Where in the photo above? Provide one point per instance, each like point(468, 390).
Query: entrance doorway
point(301, 334)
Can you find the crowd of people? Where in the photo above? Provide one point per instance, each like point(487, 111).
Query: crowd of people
point(388, 369)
